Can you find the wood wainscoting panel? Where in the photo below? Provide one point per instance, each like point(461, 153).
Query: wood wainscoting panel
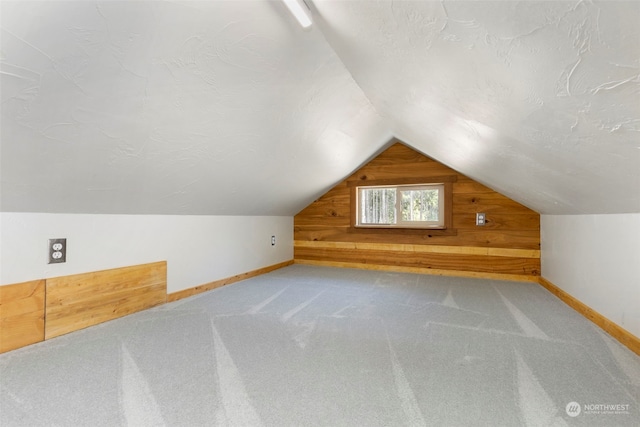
point(424, 260)
point(21, 314)
point(82, 300)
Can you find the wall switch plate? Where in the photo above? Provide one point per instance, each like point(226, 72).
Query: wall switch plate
point(273, 240)
point(481, 219)
point(57, 251)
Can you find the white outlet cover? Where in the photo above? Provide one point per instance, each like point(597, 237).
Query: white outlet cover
point(480, 219)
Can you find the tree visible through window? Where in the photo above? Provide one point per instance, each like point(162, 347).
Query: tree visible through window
point(378, 205)
point(420, 204)
point(408, 206)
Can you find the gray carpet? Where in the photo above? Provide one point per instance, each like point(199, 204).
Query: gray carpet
point(312, 346)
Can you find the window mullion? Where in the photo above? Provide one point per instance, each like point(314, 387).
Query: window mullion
point(398, 206)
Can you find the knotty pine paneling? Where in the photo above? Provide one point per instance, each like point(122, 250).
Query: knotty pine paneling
point(510, 225)
point(441, 249)
point(21, 314)
point(517, 239)
point(81, 300)
point(459, 262)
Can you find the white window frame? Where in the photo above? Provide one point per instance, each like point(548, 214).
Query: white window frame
point(440, 224)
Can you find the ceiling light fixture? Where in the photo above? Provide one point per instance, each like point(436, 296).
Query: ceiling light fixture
point(299, 12)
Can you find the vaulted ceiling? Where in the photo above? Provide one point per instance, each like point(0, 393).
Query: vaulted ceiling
point(231, 108)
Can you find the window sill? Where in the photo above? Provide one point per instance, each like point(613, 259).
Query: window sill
point(430, 232)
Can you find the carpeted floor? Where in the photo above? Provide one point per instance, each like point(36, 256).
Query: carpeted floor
point(312, 346)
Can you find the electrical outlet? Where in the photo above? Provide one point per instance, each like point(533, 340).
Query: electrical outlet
point(57, 251)
point(481, 219)
point(273, 240)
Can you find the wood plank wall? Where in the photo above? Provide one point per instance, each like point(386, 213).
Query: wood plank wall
point(21, 314)
point(82, 300)
point(508, 246)
point(34, 311)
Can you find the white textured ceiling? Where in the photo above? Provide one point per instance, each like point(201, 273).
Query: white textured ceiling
point(206, 107)
point(229, 107)
point(539, 100)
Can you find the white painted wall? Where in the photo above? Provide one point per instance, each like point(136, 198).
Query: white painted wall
point(198, 249)
point(596, 259)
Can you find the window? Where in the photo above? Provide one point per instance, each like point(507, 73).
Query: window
point(402, 206)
